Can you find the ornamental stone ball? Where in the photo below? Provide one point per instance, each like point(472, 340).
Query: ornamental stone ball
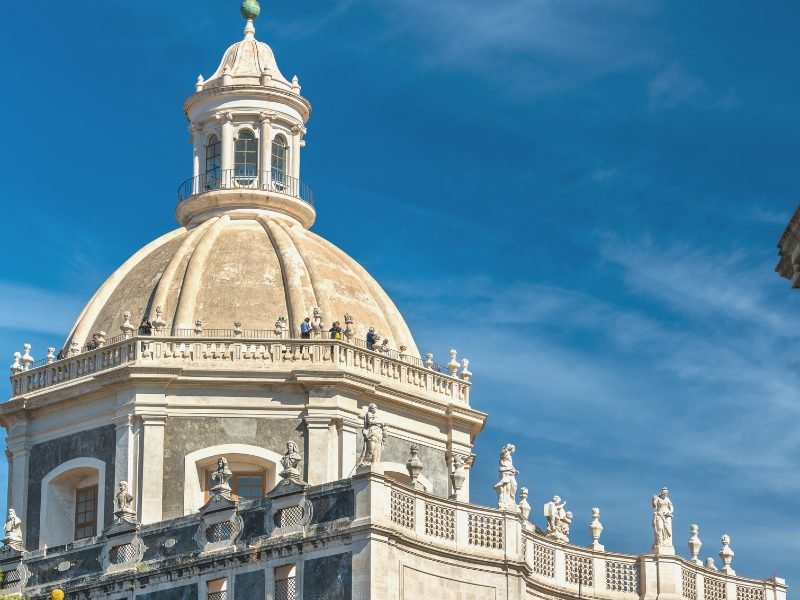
point(250, 9)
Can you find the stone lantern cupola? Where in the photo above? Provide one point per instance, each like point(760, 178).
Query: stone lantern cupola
point(247, 123)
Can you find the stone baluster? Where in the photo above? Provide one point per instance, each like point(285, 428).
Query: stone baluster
point(595, 529)
point(694, 545)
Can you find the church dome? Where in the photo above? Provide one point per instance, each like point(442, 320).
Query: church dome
point(246, 63)
point(252, 269)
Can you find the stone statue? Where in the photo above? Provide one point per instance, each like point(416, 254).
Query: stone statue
point(221, 477)
point(558, 519)
point(290, 461)
point(662, 519)
point(506, 488)
point(13, 531)
point(374, 432)
point(123, 505)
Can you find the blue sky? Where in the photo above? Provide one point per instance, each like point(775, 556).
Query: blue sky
point(583, 197)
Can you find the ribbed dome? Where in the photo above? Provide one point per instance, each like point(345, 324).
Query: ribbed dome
point(246, 62)
point(251, 269)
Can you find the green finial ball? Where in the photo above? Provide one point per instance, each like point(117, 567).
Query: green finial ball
point(250, 9)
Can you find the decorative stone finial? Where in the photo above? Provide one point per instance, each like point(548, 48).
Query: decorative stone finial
point(558, 519)
point(198, 327)
point(694, 545)
point(221, 477)
point(710, 564)
point(250, 10)
point(316, 322)
point(595, 529)
point(295, 85)
point(414, 466)
point(27, 359)
point(123, 505)
point(374, 432)
point(458, 476)
point(159, 323)
point(51, 356)
point(198, 86)
point(237, 329)
point(74, 348)
point(16, 367)
point(291, 461)
point(349, 332)
point(101, 338)
point(524, 507)
point(127, 327)
point(662, 523)
point(453, 365)
point(465, 372)
point(429, 360)
point(726, 555)
point(281, 327)
point(13, 532)
point(506, 488)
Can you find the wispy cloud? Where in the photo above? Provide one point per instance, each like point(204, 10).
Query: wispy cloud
point(25, 308)
point(675, 85)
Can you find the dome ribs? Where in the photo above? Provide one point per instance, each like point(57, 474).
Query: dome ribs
point(185, 312)
point(161, 296)
point(296, 279)
point(82, 328)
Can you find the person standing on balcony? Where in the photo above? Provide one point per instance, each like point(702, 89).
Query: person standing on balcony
point(305, 328)
point(371, 338)
point(384, 347)
point(336, 331)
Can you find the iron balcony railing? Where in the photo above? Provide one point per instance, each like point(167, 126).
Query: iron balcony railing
point(243, 178)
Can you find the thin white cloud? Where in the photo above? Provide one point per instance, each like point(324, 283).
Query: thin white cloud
point(675, 85)
point(29, 309)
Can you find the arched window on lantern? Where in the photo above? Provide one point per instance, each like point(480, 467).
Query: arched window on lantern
point(213, 162)
point(245, 158)
point(280, 160)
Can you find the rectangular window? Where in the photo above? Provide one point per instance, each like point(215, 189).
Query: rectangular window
point(285, 583)
point(85, 512)
point(249, 485)
point(217, 589)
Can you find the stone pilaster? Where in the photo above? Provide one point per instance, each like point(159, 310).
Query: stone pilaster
point(150, 492)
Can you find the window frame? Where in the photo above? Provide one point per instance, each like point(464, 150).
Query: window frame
point(245, 156)
point(82, 525)
point(279, 174)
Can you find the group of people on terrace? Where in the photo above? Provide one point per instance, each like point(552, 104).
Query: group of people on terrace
point(336, 333)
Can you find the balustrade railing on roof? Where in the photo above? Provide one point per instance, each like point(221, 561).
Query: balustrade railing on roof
point(244, 349)
point(246, 179)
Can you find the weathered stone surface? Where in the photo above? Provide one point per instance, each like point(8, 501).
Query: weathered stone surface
point(396, 451)
point(157, 547)
point(336, 503)
point(187, 592)
point(250, 586)
point(185, 435)
point(328, 578)
point(95, 443)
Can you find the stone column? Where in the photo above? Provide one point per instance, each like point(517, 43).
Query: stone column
point(349, 430)
point(227, 147)
point(318, 456)
point(197, 150)
point(297, 133)
point(124, 454)
point(18, 450)
point(266, 149)
point(150, 492)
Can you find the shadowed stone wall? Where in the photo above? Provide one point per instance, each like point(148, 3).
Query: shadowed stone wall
point(183, 435)
point(397, 451)
point(250, 586)
point(187, 592)
point(95, 443)
point(328, 578)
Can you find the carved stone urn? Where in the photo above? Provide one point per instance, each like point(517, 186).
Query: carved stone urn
point(694, 545)
point(595, 529)
point(414, 466)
